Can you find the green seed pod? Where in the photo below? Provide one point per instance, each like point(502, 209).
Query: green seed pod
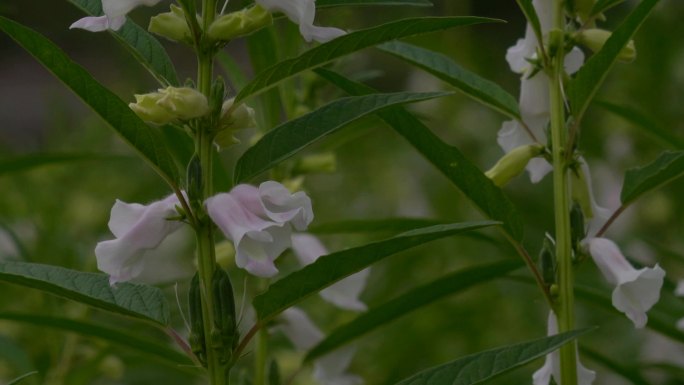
point(197, 343)
point(225, 335)
point(218, 93)
point(274, 373)
point(577, 229)
point(547, 261)
point(194, 179)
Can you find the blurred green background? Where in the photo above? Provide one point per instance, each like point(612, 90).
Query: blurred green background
point(56, 214)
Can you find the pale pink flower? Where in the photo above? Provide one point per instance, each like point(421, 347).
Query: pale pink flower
point(302, 12)
point(114, 15)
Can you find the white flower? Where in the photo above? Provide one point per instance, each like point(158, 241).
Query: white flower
point(114, 15)
point(138, 229)
point(258, 222)
point(679, 292)
point(636, 291)
point(302, 12)
point(551, 366)
point(331, 369)
point(600, 214)
point(534, 92)
point(343, 294)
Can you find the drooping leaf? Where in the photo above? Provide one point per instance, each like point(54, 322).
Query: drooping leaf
point(90, 329)
point(603, 5)
point(344, 3)
point(480, 367)
point(476, 87)
point(447, 159)
point(141, 44)
point(134, 300)
point(333, 267)
point(29, 162)
point(146, 140)
point(638, 181)
point(290, 137)
point(351, 43)
point(647, 124)
point(589, 78)
point(410, 301)
point(373, 225)
point(21, 378)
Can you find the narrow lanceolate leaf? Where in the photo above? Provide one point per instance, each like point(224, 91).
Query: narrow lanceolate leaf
point(604, 5)
point(19, 379)
point(590, 77)
point(146, 140)
point(139, 301)
point(649, 126)
point(333, 267)
point(290, 137)
point(136, 343)
point(413, 300)
point(448, 159)
point(638, 181)
point(480, 367)
point(351, 43)
point(342, 3)
point(29, 162)
point(356, 226)
point(143, 46)
point(480, 89)
point(530, 13)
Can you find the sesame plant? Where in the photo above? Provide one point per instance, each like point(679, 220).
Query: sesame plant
point(233, 152)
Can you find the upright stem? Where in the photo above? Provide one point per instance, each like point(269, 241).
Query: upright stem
point(565, 304)
point(260, 360)
point(218, 371)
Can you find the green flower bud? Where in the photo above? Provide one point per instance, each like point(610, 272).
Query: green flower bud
point(547, 261)
point(241, 118)
point(170, 104)
point(240, 23)
point(513, 163)
point(171, 25)
point(577, 229)
point(594, 39)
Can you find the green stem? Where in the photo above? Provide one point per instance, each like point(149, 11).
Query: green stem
point(260, 360)
point(565, 304)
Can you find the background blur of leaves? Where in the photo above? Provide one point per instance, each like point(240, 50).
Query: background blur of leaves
point(56, 214)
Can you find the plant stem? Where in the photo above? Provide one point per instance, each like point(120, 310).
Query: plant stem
point(565, 304)
point(260, 361)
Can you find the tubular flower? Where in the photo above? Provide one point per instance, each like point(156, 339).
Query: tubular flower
point(302, 12)
point(534, 93)
point(114, 15)
point(258, 221)
point(343, 294)
point(551, 366)
point(330, 369)
point(138, 229)
point(636, 291)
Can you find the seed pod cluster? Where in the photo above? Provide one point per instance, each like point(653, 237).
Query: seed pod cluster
point(224, 335)
point(196, 338)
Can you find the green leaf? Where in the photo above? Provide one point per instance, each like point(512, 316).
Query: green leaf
point(530, 13)
point(590, 77)
point(652, 128)
point(344, 3)
point(603, 5)
point(351, 43)
point(290, 137)
point(447, 159)
point(139, 301)
point(356, 226)
point(89, 329)
point(22, 377)
point(263, 51)
point(29, 162)
point(480, 89)
point(638, 181)
point(480, 367)
point(410, 301)
point(141, 44)
point(331, 268)
point(146, 140)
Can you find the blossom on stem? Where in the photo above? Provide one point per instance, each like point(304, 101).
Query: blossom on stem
point(258, 221)
point(343, 294)
point(331, 369)
point(114, 15)
point(636, 291)
point(551, 366)
point(138, 229)
point(303, 12)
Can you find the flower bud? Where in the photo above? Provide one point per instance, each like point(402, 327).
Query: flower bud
point(513, 163)
point(240, 23)
point(547, 261)
point(170, 104)
point(594, 39)
point(171, 25)
point(241, 118)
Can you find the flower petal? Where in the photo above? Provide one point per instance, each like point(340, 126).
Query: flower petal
point(115, 8)
point(299, 329)
point(331, 369)
point(302, 12)
point(92, 23)
point(282, 206)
